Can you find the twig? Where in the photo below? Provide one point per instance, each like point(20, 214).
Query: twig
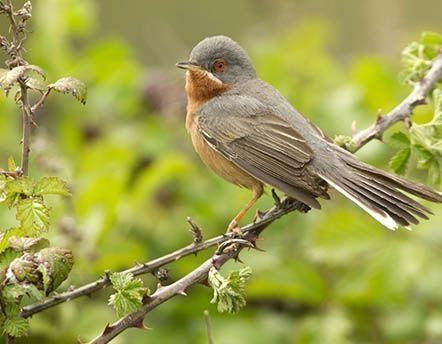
point(165, 293)
point(273, 214)
point(27, 119)
point(208, 326)
point(401, 112)
point(41, 101)
point(195, 230)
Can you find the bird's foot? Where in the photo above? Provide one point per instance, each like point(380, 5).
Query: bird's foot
point(234, 230)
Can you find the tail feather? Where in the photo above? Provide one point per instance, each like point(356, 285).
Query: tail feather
point(379, 193)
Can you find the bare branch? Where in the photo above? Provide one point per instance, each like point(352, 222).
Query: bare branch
point(165, 293)
point(287, 206)
point(401, 112)
point(27, 120)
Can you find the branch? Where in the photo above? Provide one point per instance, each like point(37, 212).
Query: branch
point(403, 111)
point(271, 215)
point(165, 293)
point(27, 120)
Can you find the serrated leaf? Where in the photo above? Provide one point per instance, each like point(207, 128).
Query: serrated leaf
point(434, 173)
point(12, 292)
point(398, 163)
point(22, 185)
point(33, 216)
point(123, 304)
point(129, 295)
point(399, 140)
point(16, 327)
point(51, 186)
point(72, 86)
point(424, 156)
point(6, 235)
point(229, 293)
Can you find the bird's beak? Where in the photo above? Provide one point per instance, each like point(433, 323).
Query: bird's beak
point(189, 65)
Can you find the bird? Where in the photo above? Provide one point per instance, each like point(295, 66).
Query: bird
point(250, 135)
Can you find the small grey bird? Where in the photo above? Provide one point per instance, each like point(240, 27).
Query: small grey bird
point(249, 134)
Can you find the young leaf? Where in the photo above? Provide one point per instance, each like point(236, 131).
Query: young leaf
point(229, 293)
point(398, 163)
point(33, 215)
point(6, 235)
point(129, 293)
point(51, 186)
point(12, 292)
point(16, 326)
point(72, 86)
point(399, 140)
point(20, 186)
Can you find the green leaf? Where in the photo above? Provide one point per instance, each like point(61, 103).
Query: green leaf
point(6, 235)
point(417, 56)
point(16, 327)
point(55, 264)
point(129, 295)
point(72, 86)
point(51, 186)
point(399, 140)
point(33, 216)
point(229, 293)
point(22, 185)
point(12, 292)
point(124, 305)
point(6, 257)
point(398, 163)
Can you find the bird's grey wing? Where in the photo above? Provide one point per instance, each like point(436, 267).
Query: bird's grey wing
point(264, 145)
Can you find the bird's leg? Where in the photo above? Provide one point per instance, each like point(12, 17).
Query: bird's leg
point(234, 224)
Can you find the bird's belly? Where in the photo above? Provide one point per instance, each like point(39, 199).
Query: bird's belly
point(220, 165)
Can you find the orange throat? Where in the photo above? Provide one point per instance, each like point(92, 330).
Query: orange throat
point(201, 86)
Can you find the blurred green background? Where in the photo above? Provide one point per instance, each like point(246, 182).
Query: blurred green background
point(333, 276)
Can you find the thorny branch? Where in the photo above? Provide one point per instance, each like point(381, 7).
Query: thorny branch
point(14, 50)
point(153, 265)
point(403, 111)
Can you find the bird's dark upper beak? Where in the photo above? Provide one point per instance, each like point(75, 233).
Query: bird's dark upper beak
point(189, 65)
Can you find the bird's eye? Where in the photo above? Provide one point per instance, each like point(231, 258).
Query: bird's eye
point(219, 66)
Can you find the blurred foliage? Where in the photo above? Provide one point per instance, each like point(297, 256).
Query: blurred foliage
point(326, 276)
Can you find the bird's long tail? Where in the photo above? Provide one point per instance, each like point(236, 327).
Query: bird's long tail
point(379, 193)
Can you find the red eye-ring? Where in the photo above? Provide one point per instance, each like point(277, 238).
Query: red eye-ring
point(219, 66)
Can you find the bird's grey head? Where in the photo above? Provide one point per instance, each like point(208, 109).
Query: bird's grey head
point(223, 58)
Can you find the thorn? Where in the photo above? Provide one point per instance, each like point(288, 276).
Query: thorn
point(181, 292)
point(139, 323)
point(107, 329)
point(238, 260)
